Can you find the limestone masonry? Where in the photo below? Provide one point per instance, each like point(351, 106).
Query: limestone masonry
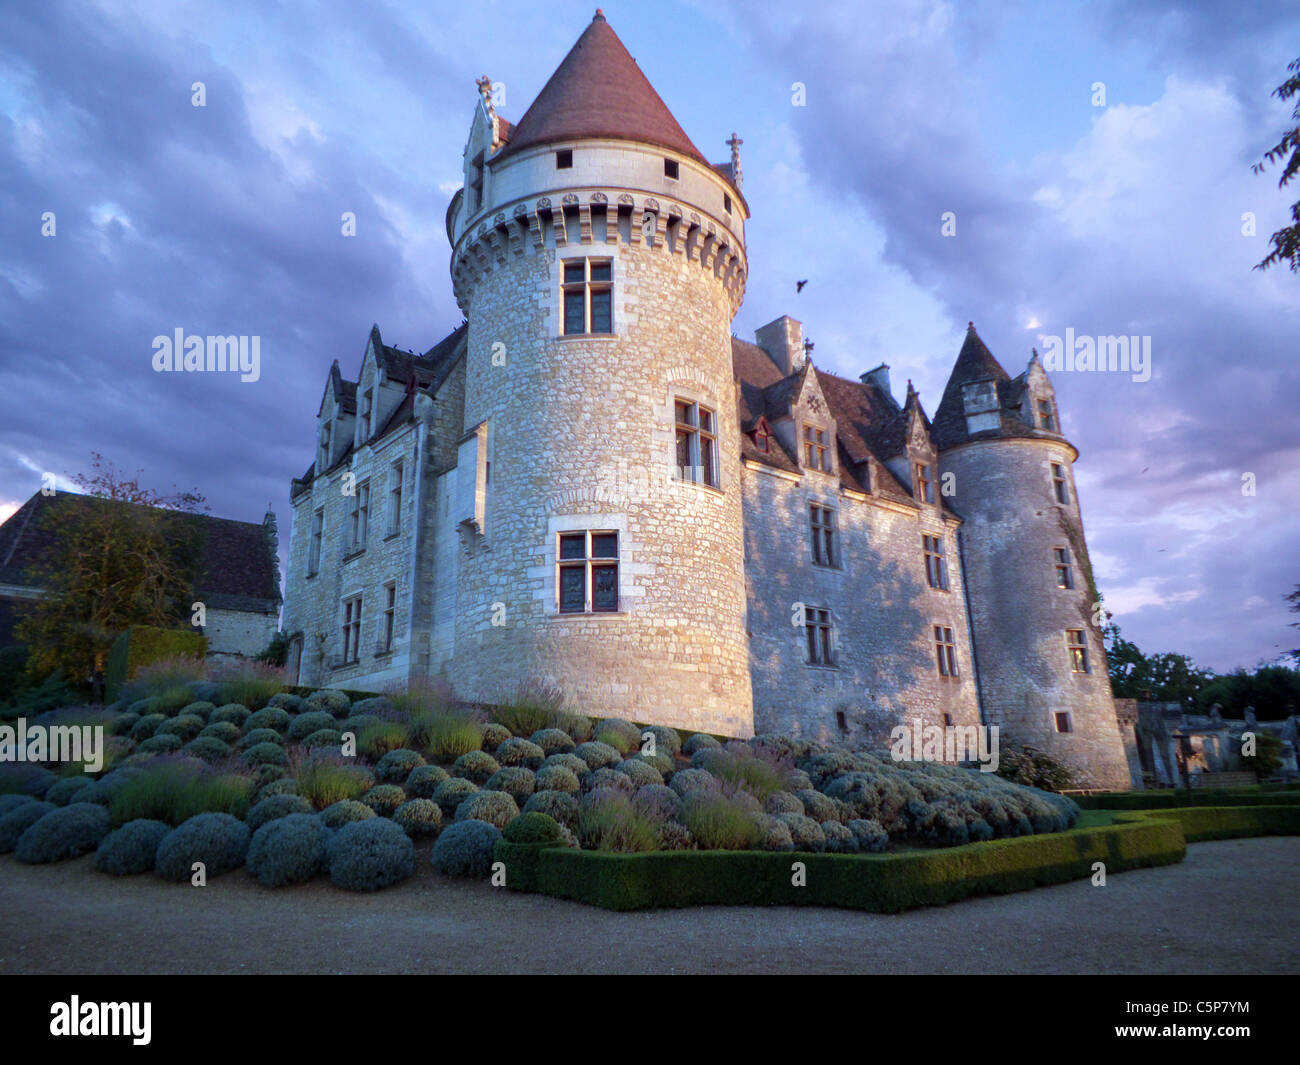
point(592, 484)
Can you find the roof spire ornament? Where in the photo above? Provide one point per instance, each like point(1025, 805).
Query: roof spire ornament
point(485, 91)
point(736, 174)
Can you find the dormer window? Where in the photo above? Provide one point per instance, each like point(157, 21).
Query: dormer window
point(670, 169)
point(763, 440)
point(564, 159)
point(924, 482)
point(1046, 416)
point(476, 183)
point(367, 414)
point(816, 448)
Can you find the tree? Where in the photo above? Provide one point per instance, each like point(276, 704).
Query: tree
point(120, 555)
point(1286, 242)
point(1274, 692)
point(1166, 677)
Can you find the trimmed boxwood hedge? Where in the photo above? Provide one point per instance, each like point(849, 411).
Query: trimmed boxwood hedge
point(1160, 800)
point(882, 883)
point(1201, 823)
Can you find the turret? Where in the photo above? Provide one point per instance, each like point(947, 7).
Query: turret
point(1038, 644)
point(599, 259)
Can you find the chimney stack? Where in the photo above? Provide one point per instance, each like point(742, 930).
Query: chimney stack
point(783, 341)
point(878, 377)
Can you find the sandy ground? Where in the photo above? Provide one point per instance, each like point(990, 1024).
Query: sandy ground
point(1231, 907)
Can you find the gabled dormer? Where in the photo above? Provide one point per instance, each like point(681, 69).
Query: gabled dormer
point(335, 419)
point(488, 132)
point(802, 420)
point(1038, 398)
point(915, 461)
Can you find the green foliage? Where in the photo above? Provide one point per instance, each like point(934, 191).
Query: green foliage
point(64, 791)
point(265, 754)
point(276, 653)
point(377, 738)
point(217, 840)
point(225, 731)
point(520, 752)
point(255, 736)
point(1266, 760)
point(1164, 677)
point(475, 766)
point(12, 801)
point(331, 701)
point(535, 706)
point(384, 799)
point(622, 735)
point(288, 850)
point(423, 780)
point(495, 807)
point(252, 684)
point(278, 719)
point(294, 704)
point(1286, 241)
point(65, 833)
point(160, 743)
point(640, 771)
point(553, 741)
point(1274, 691)
point(598, 755)
point(452, 792)
point(283, 786)
point(176, 793)
point(1034, 769)
point(183, 726)
point(236, 714)
point(718, 823)
point(667, 740)
point(614, 825)
point(325, 737)
point(533, 827)
point(516, 781)
point(697, 742)
point(344, 812)
point(465, 849)
point(557, 778)
point(370, 855)
point(175, 654)
point(208, 748)
point(304, 725)
point(25, 778)
point(274, 806)
point(689, 782)
point(19, 820)
point(448, 736)
point(324, 783)
point(657, 802)
point(558, 805)
point(419, 817)
point(395, 766)
point(131, 849)
point(146, 726)
point(494, 735)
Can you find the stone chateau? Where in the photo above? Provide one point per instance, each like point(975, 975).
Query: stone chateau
point(593, 484)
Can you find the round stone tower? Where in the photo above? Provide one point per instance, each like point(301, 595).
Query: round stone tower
point(599, 259)
point(1007, 470)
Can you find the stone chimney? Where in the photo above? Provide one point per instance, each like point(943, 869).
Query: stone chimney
point(878, 377)
point(783, 341)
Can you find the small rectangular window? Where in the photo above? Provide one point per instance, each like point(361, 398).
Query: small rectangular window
point(945, 649)
point(1063, 721)
point(936, 565)
point(726, 203)
point(816, 447)
point(360, 515)
point(822, 526)
point(697, 443)
point(564, 159)
point(1078, 648)
point(395, 499)
point(588, 564)
point(325, 446)
point(352, 629)
point(840, 723)
point(588, 292)
point(924, 483)
point(390, 616)
point(817, 627)
point(1046, 416)
point(1064, 575)
point(670, 168)
point(1059, 487)
point(367, 414)
point(313, 550)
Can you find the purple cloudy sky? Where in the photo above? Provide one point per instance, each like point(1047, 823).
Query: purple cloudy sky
point(1122, 219)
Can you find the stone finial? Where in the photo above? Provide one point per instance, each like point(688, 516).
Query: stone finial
point(485, 92)
point(1251, 720)
point(1216, 712)
point(736, 174)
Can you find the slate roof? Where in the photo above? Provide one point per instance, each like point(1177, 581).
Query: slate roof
point(976, 363)
point(236, 569)
point(599, 91)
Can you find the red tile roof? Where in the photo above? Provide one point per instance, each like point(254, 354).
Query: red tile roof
point(599, 91)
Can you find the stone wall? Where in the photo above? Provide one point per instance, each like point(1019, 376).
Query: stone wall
point(238, 632)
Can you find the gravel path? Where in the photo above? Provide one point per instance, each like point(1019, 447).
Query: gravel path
point(1229, 908)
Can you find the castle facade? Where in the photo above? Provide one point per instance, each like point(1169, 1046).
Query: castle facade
point(592, 483)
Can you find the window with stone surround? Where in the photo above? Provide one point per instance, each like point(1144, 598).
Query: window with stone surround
point(588, 289)
point(1046, 415)
point(359, 515)
point(564, 159)
point(1077, 644)
point(325, 446)
point(390, 617)
point(587, 578)
point(945, 650)
point(924, 482)
point(1063, 723)
point(821, 525)
point(1059, 487)
point(352, 630)
point(1064, 574)
point(816, 448)
point(367, 414)
point(818, 631)
point(936, 565)
point(395, 498)
point(313, 549)
point(697, 443)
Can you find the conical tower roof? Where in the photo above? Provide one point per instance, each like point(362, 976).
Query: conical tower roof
point(599, 91)
point(974, 363)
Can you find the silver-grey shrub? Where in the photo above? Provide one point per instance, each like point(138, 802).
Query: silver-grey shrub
point(63, 791)
point(19, 820)
point(344, 812)
point(466, 849)
point(219, 841)
point(276, 806)
point(288, 850)
point(370, 855)
point(132, 848)
point(520, 752)
point(494, 807)
point(560, 805)
point(557, 778)
point(423, 780)
point(65, 833)
point(396, 765)
point(419, 817)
